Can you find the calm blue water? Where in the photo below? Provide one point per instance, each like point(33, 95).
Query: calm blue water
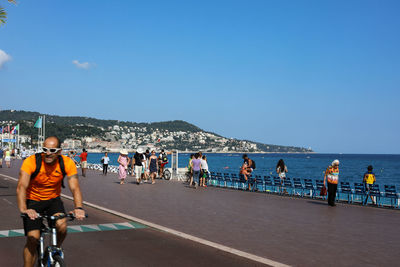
point(352, 167)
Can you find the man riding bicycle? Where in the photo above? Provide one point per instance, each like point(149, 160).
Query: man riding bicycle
point(39, 189)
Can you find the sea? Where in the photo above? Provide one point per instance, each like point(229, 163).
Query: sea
point(304, 166)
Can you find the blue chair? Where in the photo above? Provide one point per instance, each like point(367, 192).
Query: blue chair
point(220, 180)
point(345, 189)
point(259, 185)
point(251, 182)
point(268, 184)
point(277, 185)
point(390, 192)
point(308, 185)
point(227, 180)
point(318, 186)
point(359, 190)
point(287, 186)
point(213, 179)
point(375, 192)
point(242, 182)
point(235, 180)
point(297, 185)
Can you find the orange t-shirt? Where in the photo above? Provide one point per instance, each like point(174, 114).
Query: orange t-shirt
point(47, 184)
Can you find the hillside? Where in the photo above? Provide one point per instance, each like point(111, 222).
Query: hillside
point(103, 134)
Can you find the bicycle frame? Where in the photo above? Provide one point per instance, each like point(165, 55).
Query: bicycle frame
point(46, 255)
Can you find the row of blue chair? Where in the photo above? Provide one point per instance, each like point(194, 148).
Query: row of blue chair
point(307, 187)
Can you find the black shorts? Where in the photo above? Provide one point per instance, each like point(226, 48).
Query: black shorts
point(49, 207)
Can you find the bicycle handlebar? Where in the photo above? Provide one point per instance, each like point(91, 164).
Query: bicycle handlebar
point(51, 217)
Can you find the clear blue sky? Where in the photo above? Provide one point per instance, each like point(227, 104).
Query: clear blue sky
point(319, 74)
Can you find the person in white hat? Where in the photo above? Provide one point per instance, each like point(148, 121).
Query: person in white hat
point(332, 175)
point(123, 161)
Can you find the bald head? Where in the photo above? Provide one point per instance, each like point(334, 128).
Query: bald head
point(52, 142)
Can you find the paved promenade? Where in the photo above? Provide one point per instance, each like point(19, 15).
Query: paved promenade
point(292, 231)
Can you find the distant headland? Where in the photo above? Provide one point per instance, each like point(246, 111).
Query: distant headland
point(98, 135)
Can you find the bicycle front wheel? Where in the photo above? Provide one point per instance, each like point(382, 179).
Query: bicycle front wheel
point(58, 261)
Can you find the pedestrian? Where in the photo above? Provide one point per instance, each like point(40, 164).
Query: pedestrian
point(244, 170)
point(24, 154)
point(162, 161)
point(250, 163)
point(332, 175)
point(196, 165)
point(204, 168)
point(105, 160)
point(145, 163)
point(190, 170)
point(7, 157)
point(281, 170)
point(138, 165)
point(1, 157)
point(83, 159)
point(153, 165)
point(123, 161)
point(369, 179)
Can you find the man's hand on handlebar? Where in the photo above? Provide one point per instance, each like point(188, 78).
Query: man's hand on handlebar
point(79, 213)
point(32, 214)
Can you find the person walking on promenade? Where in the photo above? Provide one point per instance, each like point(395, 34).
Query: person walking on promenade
point(369, 179)
point(41, 194)
point(162, 161)
point(24, 154)
point(83, 158)
point(281, 170)
point(332, 175)
point(196, 166)
point(7, 157)
point(123, 161)
point(105, 159)
point(204, 168)
point(190, 169)
point(138, 165)
point(153, 166)
point(145, 163)
point(1, 157)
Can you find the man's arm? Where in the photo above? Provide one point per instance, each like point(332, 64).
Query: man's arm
point(23, 183)
point(73, 184)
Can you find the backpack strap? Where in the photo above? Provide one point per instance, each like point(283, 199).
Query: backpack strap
point(62, 167)
point(38, 158)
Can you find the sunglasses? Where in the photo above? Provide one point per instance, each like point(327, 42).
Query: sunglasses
point(51, 150)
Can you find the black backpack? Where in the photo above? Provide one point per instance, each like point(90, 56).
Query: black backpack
point(253, 164)
point(164, 158)
point(38, 157)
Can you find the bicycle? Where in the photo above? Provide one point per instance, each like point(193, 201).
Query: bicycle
point(166, 174)
point(51, 256)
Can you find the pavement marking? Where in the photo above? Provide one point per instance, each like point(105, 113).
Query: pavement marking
point(6, 200)
point(181, 234)
point(83, 228)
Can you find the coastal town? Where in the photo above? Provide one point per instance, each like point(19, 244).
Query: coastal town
point(104, 135)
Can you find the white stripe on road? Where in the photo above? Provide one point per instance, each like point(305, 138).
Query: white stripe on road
point(181, 234)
